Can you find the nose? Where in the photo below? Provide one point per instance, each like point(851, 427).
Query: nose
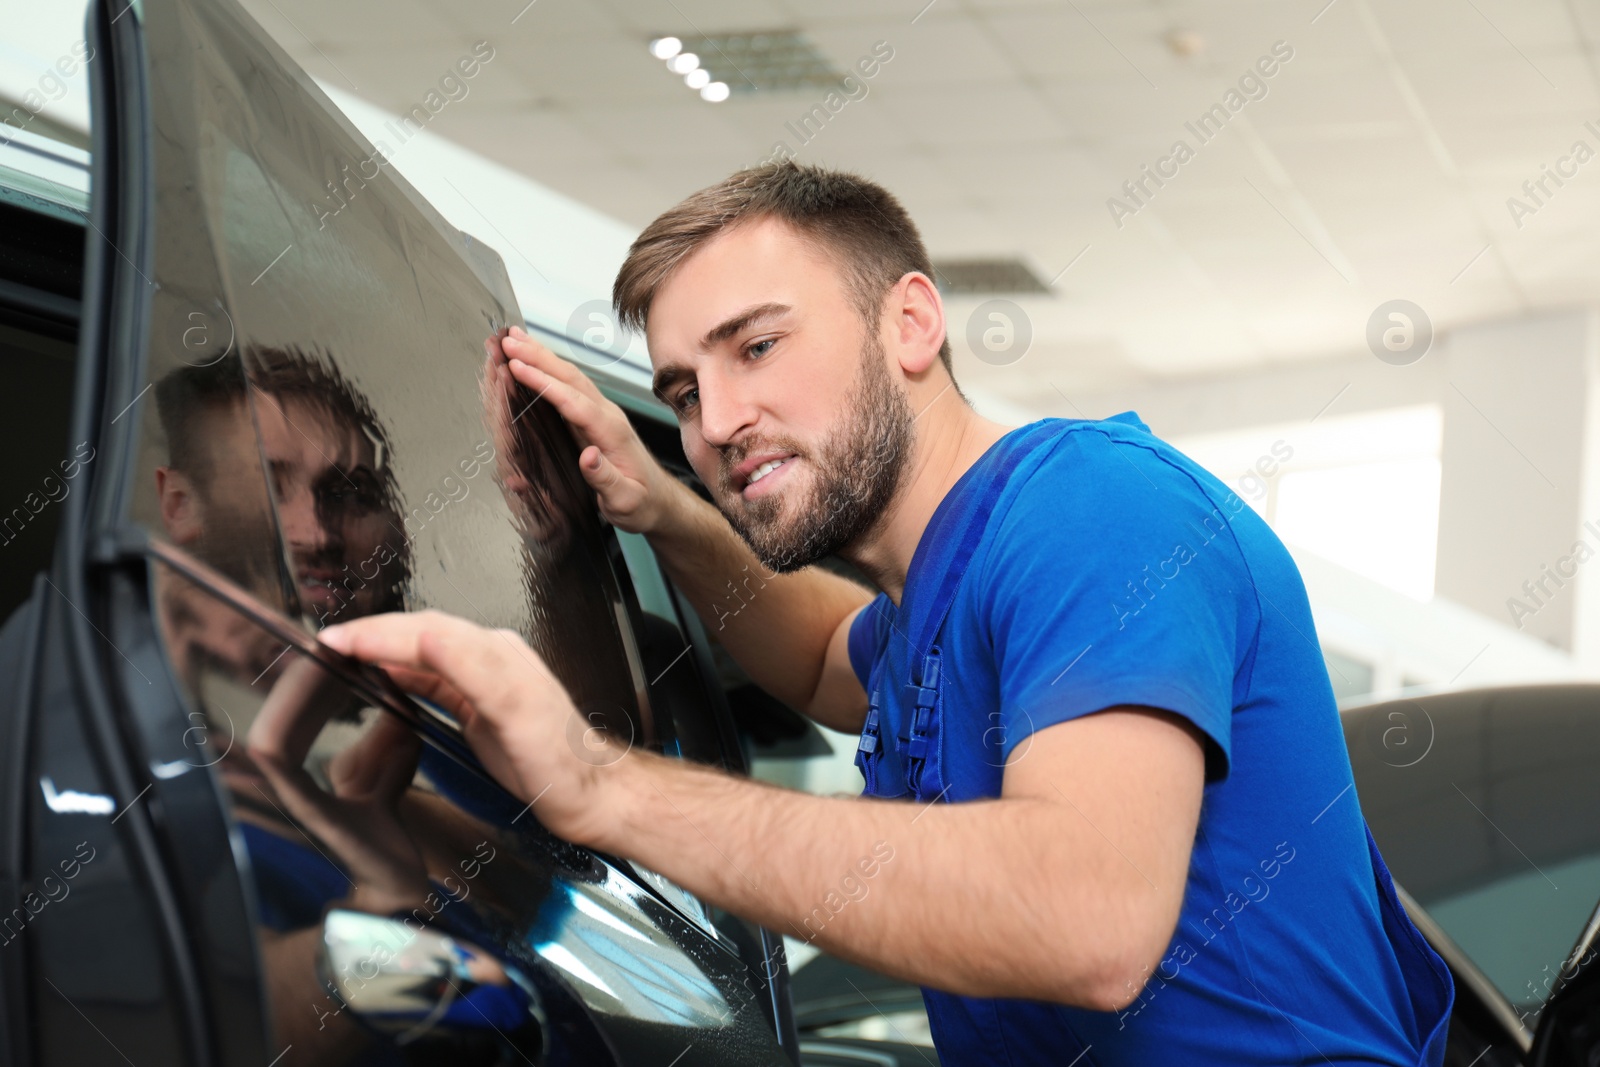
point(725, 412)
point(304, 526)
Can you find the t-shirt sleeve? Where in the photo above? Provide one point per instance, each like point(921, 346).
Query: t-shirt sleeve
point(866, 635)
point(1115, 579)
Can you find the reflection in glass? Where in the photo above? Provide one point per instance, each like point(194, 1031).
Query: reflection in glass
point(343, 810)
point(327, 434)
point(332, 802)
point(324, 454)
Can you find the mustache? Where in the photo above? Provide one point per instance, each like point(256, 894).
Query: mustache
point(734, 454)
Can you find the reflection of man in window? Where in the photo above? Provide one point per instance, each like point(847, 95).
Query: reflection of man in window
point(327, 457)
point(317, 786)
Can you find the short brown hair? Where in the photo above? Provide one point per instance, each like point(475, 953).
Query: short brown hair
point(856, 220)
point(186, 395)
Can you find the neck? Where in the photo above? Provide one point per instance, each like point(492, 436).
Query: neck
point(950, 438)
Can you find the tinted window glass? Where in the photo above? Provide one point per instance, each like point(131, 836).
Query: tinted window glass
point(327, 429)
point(376, 855)
point(41, 267)
point(326, 425)
point(1484, 805)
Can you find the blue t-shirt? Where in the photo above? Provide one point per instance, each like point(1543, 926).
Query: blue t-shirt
point(1112, 570)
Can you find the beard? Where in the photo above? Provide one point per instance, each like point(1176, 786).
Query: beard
point(859, 467)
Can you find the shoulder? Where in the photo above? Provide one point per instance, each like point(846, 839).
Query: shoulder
point(868, 630)
point(1109, 475)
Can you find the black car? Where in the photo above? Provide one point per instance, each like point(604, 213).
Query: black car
point(235, 414)
point(248, 394)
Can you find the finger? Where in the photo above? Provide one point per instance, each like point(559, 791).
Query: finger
point(394, 753)
point(388, 639)
point(431, 687)
point(490, 669)
point(575, 405)
point(597, 422)
point(527, 352)
point(301, 701)
point(530, 352)
point(361, 768)
point(598, 471)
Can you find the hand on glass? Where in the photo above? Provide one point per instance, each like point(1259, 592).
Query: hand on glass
point(513, 712)
point(633, 488)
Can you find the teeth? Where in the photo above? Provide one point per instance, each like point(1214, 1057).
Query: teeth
point(764, 470)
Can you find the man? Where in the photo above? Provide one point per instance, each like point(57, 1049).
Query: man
point(288, 416)
point(1125, 831)
point(331, 484)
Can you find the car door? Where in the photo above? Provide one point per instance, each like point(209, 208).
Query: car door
point(217, 844)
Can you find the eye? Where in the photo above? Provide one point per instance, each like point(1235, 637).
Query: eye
point(760, 348)
point(686, 400)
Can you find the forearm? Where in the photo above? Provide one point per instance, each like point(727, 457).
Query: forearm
point(960, 897)
point(776, 626)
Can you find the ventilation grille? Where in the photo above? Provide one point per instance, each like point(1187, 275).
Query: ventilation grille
point(986, 276)
point(771, 61)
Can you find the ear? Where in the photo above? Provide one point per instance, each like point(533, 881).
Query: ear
point(916, 317)
point(180, 506)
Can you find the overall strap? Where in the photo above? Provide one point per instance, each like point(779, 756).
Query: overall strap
point(960, 528)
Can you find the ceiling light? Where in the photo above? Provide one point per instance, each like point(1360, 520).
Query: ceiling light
point(1185, 43)
point(683, 62)
point(716, 92)
point(698, 78)
point(665, 47)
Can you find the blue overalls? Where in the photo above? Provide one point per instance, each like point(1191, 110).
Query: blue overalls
point(905, 752)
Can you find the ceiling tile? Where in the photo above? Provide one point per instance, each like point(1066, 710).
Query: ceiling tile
point(941, 49)
point(1006, 125)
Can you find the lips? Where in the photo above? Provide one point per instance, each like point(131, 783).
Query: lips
point(317, 584)
point(753, 469)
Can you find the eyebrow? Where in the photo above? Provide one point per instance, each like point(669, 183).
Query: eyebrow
point(672, 373)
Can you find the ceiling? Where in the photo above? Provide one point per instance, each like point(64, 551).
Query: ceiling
point(1376, 166)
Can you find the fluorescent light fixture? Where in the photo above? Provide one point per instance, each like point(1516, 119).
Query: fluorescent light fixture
point(683, 62)
point(665, 47)
point(698, 78)
point(716, 92)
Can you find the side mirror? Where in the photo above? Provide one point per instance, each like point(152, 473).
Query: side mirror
point(419, 986)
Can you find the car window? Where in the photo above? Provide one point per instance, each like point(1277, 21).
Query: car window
point(376, 852)
point(1482, 804)
point(41, 275)
point(324, 428)
point(324, 415)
